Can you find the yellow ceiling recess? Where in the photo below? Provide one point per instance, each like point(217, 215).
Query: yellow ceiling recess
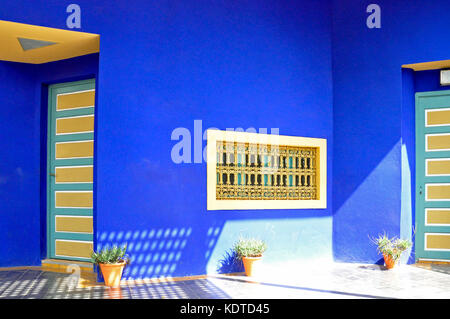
point(34, 44)
point(433, 65)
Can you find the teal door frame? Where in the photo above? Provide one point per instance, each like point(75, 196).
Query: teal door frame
point(52, 186)
point(426, 101)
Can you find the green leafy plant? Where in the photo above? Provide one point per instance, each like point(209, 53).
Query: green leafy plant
point(113, 255)
point(392, 247)
point(249, 247)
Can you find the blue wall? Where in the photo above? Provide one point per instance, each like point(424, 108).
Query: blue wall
point(309, 68)
point(256, 64)
point(370, 105)
point(412, 82)
point(19, 174)
point(163, 65)
point(23, 118)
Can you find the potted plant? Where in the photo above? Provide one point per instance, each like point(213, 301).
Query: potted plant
point(111, 262)
point(250, 250)
point(391, 248)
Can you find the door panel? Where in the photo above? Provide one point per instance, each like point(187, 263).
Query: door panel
point(70, 170)
point(432, 237)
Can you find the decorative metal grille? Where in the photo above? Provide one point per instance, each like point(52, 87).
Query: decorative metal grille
point(266, 172)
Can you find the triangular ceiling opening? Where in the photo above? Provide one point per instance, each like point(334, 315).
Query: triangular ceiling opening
point(30, 44)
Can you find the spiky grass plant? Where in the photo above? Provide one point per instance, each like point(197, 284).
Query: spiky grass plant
point(107, 255)
point(392, 247)
point(249, 247)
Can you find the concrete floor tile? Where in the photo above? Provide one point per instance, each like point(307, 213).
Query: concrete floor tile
point(328, 281)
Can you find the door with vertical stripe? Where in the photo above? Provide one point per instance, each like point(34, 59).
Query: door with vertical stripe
point(70, 162)
point(433, 176)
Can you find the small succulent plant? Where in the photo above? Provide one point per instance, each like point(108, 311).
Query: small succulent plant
point(249, 247)
point(107, 255)
point(392, 247)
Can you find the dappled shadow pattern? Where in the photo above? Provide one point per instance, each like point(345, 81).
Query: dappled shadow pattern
point(36, 284)
point(153, 252)
point(160, 252)
point(188, 289)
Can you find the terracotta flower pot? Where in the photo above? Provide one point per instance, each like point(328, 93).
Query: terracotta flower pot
point(250, 263)
point(112, 273)
point(389, 261)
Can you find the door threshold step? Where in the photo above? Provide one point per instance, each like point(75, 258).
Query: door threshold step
point(61, 265)
point(88, 277)
point(433, 261)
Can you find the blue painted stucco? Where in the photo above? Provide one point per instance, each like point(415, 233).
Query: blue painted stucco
point(373, 114)
point(309, 68)
point(23, 96)
point(408, 160)
point(19, 187)
point(259, 64)
point(162, 66)
point(412, 82)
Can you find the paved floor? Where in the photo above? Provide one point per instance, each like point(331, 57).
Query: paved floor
point(312, 281)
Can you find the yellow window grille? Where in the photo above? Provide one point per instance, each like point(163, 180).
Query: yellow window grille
point(246, 171)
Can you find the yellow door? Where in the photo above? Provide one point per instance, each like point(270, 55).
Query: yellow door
point(71, 170)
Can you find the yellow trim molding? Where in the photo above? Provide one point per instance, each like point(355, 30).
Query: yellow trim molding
point(76, 149)
point(437, 241)
point(437, 192)
point(216, 136)
point(437, 117)
point(74, 224)
point(74, 174)
point(437, 166)
point(437, 217)
point(437, 142)
point(73, 248)
point(75, 100)
point(64, 44)
point(432, 65)
point(77, 124)
point(73, 199)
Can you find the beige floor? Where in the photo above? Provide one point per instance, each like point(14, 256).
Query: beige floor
point(324, 280)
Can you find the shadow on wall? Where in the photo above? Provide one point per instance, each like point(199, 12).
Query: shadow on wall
point(153, 252)
point(160, 252)
point(373, 209)
point(196, 250)
point(230, 263)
